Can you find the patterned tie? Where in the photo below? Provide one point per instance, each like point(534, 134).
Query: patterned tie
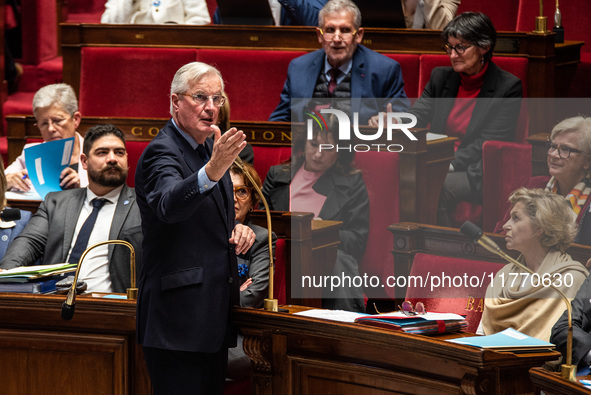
point(85, 231)
point(334, 75)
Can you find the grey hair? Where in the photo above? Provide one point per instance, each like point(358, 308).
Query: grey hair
point(190, 74)
point(337, 6)
point(576, 124)
point(61, 95)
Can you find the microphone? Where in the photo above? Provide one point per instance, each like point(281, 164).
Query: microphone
point(10, 214)
point(270, 304)
point(568, 370)
point(69, 305)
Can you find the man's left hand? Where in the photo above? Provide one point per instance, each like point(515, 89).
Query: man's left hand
point(375, 120)
point(69, 179)
point(242, 237)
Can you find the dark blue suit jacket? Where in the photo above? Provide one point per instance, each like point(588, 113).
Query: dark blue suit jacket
point(189, 278)
point(373, 76)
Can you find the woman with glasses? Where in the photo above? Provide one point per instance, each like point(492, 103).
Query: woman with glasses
point(473, 100)
point(541, 227)
point(253, 269)
point(56, 110)
point(325, 182)
point(569, 164)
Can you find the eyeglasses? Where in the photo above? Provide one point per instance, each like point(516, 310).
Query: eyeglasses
point(57, 122)
point(345, 33)
point(408, 309)
point(563, 151)
point(242, 193)
point(201, 98)
point(460, 49)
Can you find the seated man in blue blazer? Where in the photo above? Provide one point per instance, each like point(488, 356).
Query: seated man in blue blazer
point(342, 69)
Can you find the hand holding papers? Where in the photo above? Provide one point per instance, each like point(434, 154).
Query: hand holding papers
point(45, 163)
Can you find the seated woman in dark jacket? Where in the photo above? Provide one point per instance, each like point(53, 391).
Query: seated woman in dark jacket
point(473, 100)
point(569, 165)
point(326, 183)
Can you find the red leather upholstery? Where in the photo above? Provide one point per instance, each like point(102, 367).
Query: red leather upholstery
point(254, 79)
point(265, 157)
point(409, 64)
point(279, 287)
point(455, 294)
point(506, 167)
point(134, 151)
point(108, 89)
point(39, 31)
point(503, 13)
point(381, 176)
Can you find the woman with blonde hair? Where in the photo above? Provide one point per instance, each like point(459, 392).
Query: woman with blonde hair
point(541, 227)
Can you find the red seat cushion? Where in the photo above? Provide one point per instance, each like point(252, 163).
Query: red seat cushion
point(39, 31)
point(129, 82)
point(451, 285)
point(409, 65)
point(265, 157)
point(502, 13)
point(279, 280)
point(381, 176)
point(254, 79)
point(134, 151)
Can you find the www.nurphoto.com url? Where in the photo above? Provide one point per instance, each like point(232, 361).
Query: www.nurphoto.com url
point(440, 280)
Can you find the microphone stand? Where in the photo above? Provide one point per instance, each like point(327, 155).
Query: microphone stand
point(69, 306)
point(568, 371)
point(271, 304)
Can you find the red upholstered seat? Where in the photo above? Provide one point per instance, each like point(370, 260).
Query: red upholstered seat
point(39, 31)
point(129, 82)
point(502, 13)
point(462, 287)
point(381, 176)
point(85, 11)
point(410, 72)
point(134, 151)
point(253, 94)
point(265, 157)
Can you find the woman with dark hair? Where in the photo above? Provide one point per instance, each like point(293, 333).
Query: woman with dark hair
point(326, 183)
point(473, 100)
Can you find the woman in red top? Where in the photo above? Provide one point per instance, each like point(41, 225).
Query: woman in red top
point(473, 100)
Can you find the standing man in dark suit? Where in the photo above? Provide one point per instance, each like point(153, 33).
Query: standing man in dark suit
point(354, 75)
point(52, 233)
point(189, 278)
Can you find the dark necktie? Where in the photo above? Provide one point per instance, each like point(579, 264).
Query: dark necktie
point(334, 75)
point(203, 152)
point(85, 231)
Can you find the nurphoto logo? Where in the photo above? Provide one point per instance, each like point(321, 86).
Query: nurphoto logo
point(394, 121)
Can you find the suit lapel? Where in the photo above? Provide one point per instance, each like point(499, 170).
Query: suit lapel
point(309, 79)
point(222, 188)
point(358, 75)
point(124, 204)
point(484, 101)
point(73, 208)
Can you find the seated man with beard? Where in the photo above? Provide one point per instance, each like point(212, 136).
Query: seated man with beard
point(67, 222)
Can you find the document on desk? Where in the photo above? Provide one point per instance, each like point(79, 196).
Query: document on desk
point(507, 340)
point(333, 315)
point(45, 163)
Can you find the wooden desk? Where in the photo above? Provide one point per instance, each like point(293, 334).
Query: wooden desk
point(422, 166)
point(552, 384)
point(298, 355)
point(94, 353)
point(311, 249)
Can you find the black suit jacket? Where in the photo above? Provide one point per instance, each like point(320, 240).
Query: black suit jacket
point(189, 278)
point(494, 116)
point(581, 315)
point(48, 235)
